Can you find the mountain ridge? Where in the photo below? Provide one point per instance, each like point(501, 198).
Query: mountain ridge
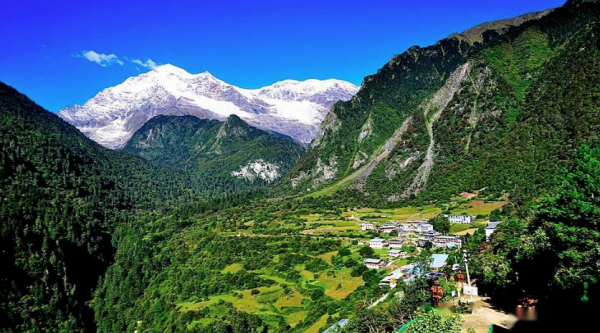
point(291, 107)
point(231, 151)
point(400, 135)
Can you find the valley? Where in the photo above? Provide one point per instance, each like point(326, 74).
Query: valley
point(302, 268)
point(457, 188)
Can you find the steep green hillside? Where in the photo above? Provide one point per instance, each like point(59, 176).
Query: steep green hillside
point(465, 115)
point(226, 152)
point(61, 196)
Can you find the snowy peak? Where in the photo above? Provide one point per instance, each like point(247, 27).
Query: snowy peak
point(294, 108)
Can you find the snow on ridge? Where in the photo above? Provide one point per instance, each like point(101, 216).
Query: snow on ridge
point(258, 169)
point(294, 108)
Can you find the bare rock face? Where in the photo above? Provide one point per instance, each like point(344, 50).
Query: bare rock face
point(293, 108)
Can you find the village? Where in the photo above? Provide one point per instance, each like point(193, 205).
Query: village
point(395, 247)
point(405, 235)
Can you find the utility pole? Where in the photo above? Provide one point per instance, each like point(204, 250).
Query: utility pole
point(466, 260)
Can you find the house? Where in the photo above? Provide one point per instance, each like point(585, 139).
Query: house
point(408, 227)
point(367, 226)
point(394, 253)
point(377, 243)
point(460, 219)
point(441, 241)
point(489, 230)
point(375, 263)
point(392, 279)
point(438, 261)
point(395, 243)
point(388, 228)
point(424, 227)
point(431, 233)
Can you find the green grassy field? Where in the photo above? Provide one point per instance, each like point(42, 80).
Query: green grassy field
point(316, 327)
point(478, 207)
point(232, 268)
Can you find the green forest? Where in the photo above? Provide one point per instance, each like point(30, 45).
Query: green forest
point(162, 237)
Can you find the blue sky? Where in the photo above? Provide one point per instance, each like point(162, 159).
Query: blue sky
point(246, 43)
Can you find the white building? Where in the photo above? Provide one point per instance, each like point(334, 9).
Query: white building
point(489, 230)
point(394, 253)
point(375, 263)
point(460, 219)
point(377, 243)
point(395, 243)
point(424, 227)
point(392, 279)
point(409, 227)
point(367, 226)
point(441, 241)
point(388, 228)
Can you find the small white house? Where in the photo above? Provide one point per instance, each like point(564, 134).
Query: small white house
point(375, 263)
point(394, 253)
point(460, 219)
point(388, 228)
point(377, 243)
point(395, 243)
point(367, 226)
point(424, 227)
point(489, 230)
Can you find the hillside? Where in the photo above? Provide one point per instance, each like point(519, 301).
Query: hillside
point(499, 125)
point(229, 151)
point(62, 196)
point(504, 114)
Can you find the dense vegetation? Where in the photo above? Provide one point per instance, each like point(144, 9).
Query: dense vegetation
point(61, 198)
point(93, 239)
point(209, 149)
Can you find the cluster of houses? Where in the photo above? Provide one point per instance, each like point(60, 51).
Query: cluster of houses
point(427, 235)
point(405, 273)
point(438, 240)
point(409, 272)
point(418, 226)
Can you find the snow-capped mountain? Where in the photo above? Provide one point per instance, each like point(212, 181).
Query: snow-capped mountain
point(293, 108)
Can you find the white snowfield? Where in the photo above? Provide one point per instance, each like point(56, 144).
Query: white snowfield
point(294, 108)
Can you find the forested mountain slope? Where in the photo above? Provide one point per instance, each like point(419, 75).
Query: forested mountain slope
point(61, 195)
point(226, 152)
point(503, 114)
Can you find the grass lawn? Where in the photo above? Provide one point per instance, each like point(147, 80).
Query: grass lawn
point(235, 267)
point(478, 207)
point(459, 228)
point(341, 282)
point(296, 317)
point(318, 325)
point(293, 300)
point(306, 275)
point(248, 303)
point(327, 256)
point(397, 214)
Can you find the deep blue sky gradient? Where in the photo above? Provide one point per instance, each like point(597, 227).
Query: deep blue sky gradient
point(246, 43)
